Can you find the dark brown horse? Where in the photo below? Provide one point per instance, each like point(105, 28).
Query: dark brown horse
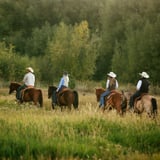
point(28, 94)
point(66, 97)
point(115, 100)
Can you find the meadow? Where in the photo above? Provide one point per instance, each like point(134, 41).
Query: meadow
point(29, 132)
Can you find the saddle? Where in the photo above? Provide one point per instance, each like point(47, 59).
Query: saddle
point(139, 98)
point(112, 93)
point(25, 89)
point(60, 93)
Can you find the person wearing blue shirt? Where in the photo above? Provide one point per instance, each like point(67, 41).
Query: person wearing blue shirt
point(64, 83)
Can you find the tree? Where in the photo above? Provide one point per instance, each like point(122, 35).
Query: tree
point(74, 49)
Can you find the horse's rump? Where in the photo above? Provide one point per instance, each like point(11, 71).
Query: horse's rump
point(115, 99)
point(147, 103)
point(32, 94)
point(118, 101)
point(64, 91)
point(65, 97)
point(68, 97)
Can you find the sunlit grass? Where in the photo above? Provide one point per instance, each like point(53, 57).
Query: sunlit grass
point(28, 132)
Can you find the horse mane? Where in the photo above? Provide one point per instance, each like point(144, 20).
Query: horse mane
point(53, 87)
point(16, 83)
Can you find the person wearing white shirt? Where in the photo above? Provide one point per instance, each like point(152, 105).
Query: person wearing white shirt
point(111, 84)
point(141, 87)
point(28, 80)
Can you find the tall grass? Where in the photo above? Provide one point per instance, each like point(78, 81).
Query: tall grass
point(28, 132)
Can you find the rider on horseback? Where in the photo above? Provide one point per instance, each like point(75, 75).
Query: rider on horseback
point(142, 87)
point(28, 80)
point(62, 85)
point(111, 84)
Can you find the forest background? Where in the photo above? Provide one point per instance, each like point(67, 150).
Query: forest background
point(87, 38)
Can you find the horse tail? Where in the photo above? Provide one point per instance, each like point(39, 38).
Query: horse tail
point(124, 103)
point(76, 99)
point(154, 104)
point(40, 98)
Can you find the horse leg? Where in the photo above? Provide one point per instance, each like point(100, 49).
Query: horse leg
point(103, 109)
point(119, 110)
point(69, 106)
point(62, 108)
point(52, 105)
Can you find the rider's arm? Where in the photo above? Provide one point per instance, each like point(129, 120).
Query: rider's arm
point(60, 84)
point(139, 85)
point(116, 84)
point(107, 84)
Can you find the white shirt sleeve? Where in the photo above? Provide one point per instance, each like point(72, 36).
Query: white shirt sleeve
point(116, 84)
point(139, 84)
point(107, 84)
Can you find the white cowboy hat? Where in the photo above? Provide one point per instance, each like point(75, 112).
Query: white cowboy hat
point(144, 74)
point(111, 74)
point(30, 69)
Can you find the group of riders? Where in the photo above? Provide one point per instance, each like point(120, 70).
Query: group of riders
point(142, 87)
point(111, 84)
point(29, 82)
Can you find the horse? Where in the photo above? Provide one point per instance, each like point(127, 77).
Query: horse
point(66, 97)
point(115, 100)
point(28, 94)
point(146, 103)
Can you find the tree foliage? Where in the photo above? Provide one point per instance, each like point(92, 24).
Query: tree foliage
point(74, 49)
point(12, 66)
point(86, 37)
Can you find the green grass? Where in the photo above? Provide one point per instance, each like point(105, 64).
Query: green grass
point(27, 132)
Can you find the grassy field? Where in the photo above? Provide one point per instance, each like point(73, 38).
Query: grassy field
point(28, 132)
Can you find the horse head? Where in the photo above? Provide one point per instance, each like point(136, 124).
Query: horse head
point(13, 86)
point(50, 90)
point(99, 91)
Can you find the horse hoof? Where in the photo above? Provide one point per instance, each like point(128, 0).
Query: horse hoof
point(53, 105)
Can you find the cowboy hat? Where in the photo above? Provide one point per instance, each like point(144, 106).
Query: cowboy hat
point(111, 74)
point(144, 74)
point(30, 69)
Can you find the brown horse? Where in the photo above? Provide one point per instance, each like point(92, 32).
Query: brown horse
point(66, 97)
point(115, 100)
point(146, 103)
point(28, 94)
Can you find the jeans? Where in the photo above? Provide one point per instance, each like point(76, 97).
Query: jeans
point(103, 95)
point(18, 94)
point(133, 97)
point(54, 97)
